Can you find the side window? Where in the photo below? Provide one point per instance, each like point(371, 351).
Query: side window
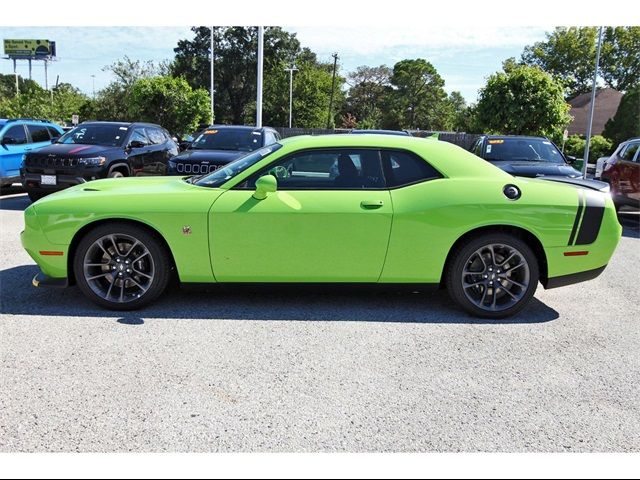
point(340, 169)
point(15, 135)
point(269, 138)
point(139, 135)
point(53, 132)
point(39, 133)
point(156, 136)
point(629, 152)
point(404, 168)
point(477, 149)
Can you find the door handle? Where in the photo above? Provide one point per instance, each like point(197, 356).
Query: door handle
point(371, 203)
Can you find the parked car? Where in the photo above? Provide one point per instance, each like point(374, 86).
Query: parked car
point(525, 156)
point(218, 145)
point(95, 150)
point(19, 136)
point(381, 132)
point(622, 172)
point(276, 215)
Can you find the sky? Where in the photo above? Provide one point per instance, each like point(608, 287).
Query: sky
point(463, 55)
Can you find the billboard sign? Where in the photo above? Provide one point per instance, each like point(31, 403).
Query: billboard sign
point(28, 48)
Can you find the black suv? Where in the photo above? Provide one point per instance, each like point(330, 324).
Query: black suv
point(95, 150)
point(218, 145)
point(525, 156)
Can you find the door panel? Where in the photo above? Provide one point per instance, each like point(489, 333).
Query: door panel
point(300, 236)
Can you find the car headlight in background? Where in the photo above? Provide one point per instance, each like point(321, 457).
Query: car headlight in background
point(92, 162)
point(24, 157)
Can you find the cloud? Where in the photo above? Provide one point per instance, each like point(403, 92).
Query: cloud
point(362, 40)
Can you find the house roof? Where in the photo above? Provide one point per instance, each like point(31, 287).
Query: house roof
point(606, 106)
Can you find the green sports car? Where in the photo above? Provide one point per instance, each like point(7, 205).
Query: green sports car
point(345, 209)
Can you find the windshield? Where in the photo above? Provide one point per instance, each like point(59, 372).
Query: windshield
point(237, 140)
point(96, 134)
point(522, 149)
point(230, 170)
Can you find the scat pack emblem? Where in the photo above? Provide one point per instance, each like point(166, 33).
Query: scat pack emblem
point(186, 230)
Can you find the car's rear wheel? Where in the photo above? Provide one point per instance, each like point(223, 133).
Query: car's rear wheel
point(121, 266)
point(493, 275)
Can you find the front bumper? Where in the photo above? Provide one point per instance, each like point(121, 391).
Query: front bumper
point(31, 181)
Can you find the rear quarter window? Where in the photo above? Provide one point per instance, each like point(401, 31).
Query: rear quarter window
point(405, 168)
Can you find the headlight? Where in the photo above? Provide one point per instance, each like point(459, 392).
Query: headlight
point(24, 157)
point(92, 162)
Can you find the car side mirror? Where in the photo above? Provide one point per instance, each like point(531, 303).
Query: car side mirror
point(136, 144)
point(571, 159)
point(265, 185)
point(184, 145)
point(55, 139)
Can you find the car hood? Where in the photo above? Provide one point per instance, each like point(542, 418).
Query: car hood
point(74, 150)
point(212, 156)
point(536, 169)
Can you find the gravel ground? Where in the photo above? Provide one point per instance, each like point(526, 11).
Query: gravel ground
point(317, 372)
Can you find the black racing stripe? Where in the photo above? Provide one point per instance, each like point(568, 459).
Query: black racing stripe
point(576, 222)
point(592, 220)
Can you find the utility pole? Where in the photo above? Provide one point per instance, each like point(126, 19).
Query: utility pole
point(93, 80)
point(593, 101)
point(15, 72)
point(212, 89)
point(260, 73)
point(291, 69)
point(333, 87)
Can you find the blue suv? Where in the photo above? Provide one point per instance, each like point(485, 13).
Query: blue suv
point(19, 136)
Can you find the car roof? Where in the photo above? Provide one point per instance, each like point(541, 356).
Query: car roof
point(507, 137)
point(365, 141)
point(4, 121)
point(380, 132)
point(121, 124)
point(240, 127)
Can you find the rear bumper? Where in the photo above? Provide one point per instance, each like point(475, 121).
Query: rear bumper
point(572, 278)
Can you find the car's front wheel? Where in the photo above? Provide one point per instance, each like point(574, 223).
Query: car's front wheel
point(121, 266)
point(493, 275)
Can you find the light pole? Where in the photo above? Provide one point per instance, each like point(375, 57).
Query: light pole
point(260, 74)
point(93, 82)
point(333, 87)
point(593, 101)
point(291, 69)
point(212, 90)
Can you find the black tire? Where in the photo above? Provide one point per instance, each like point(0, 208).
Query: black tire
point(126, 293)
point(35, 195)
point(472, 267)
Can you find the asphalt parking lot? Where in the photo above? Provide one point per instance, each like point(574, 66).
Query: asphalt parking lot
point(294, 371)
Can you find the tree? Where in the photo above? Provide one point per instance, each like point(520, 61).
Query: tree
point(365, 98)
point(569, 54)
point(311, 92)
point(35, 102)
point(235, 66)
point(626, 122)
point(620, 64)
point(523, 101)
point(418, 94)
point(170, 102)
point(598, 147)
point(113, 101)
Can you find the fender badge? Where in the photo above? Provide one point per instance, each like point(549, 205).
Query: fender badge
point(186, 230)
